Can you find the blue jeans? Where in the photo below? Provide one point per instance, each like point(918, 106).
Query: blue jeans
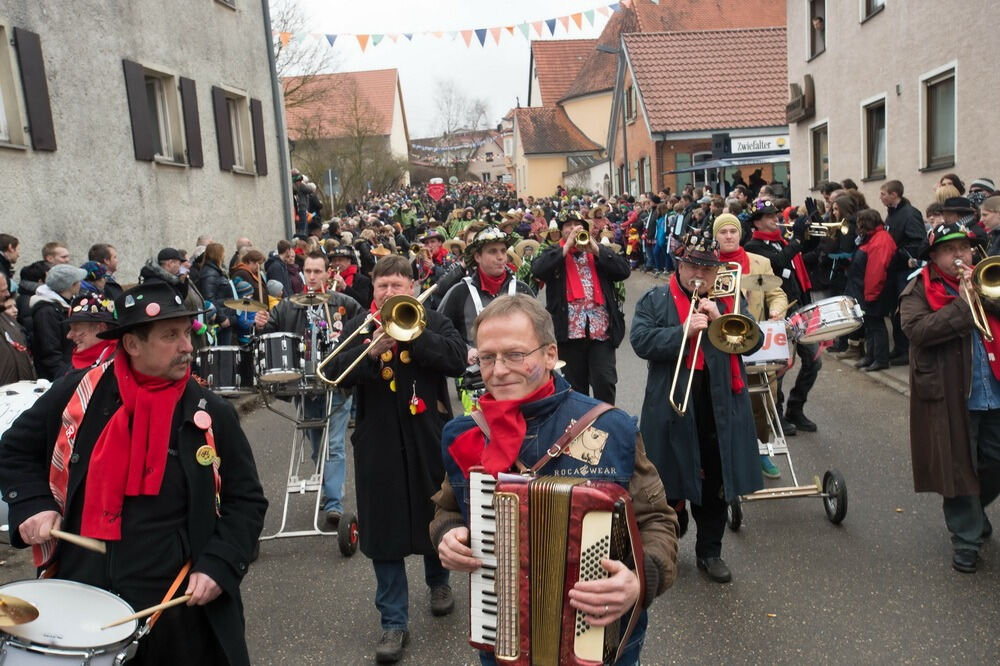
point(391, 592)
point(336, 461)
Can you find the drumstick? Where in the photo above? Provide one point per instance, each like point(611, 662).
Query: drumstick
point(81, 541)
point(149, 611)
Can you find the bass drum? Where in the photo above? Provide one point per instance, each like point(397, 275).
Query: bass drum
point(15, 399)
point(227, 370)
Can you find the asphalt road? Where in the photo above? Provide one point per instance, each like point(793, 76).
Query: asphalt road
point(879, 588)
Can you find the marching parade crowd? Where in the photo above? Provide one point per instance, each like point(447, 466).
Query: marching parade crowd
point(145, 442)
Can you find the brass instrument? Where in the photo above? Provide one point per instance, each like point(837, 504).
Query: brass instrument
point(985, 282)
point(582, 238)
point(732, 333)
point(818, 229)
point(403, 318)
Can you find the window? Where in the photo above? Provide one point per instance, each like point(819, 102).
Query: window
point(641, 170)
point(628, 102)
point(700, 158)
point(164, 113)
point(682, 161)
point(11, 121)
point(236, 122)
point(871, 7)
point(939, 134)
point(508, 146)
point(489, 157)
point(820, 154)
point(239, 131)
point(817, 27)
point(159, 115)
point(4, 132)
point(649, 175)
point(874, 139)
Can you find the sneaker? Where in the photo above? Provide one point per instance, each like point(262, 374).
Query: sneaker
point(390, 647)
point(442, 601)
point(333, 518)
point(769, 469)
point(715, 568)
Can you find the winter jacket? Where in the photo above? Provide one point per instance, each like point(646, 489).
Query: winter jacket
point(51, 349)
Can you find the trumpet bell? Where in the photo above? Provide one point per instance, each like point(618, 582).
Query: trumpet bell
point(582, 238)
point(734, 333)
point(403, 318)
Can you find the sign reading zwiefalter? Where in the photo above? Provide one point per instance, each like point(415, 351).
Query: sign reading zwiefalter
point(758, 144)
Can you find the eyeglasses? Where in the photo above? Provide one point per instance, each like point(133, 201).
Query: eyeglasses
point(509, 359)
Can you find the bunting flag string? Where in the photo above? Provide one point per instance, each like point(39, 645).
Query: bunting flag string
point(570, 23)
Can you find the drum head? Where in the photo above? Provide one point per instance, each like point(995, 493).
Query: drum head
point(280, 376)
point(831, 331)
point(70, 614)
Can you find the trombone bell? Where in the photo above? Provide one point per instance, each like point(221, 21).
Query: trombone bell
point(733, 333)
point(403, 318)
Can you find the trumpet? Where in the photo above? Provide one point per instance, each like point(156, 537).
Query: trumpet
point(985, 282)
point(403, 318)
point(582, 238)
point(818, 229)
point(732, 333)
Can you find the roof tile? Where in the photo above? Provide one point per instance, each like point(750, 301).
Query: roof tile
point(327, 109)
point(547, 129)
point(557, 62)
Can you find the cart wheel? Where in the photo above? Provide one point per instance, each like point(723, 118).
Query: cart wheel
point(835, 500)
point(734, 515)
point(347, 535)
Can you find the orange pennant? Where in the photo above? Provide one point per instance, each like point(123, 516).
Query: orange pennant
point(495, 33)
point(565, 22)
point(467, 36)
point(439, 35)
point(578, 19)
point(363, 41)
point(510, 29)
point(284, 37)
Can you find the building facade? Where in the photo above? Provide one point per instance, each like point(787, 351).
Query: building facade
point(138, 125)
point(892, 89)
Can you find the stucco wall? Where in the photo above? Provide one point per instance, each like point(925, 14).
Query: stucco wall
point(92, 189)
point(870, 58)
point(590, 114)
point(542, 175)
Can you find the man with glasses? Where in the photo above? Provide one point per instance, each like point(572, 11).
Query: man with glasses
point(526, 410)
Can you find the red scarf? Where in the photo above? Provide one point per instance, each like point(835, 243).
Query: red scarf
point(800, 266)
point(683, 304)
point(507, 427)
point(440, 255)
point(90, 355)
point(574, 285)
point(740, 256)
point(491, 285)
point(130, 456)
point(938, 297)
point(348, 275)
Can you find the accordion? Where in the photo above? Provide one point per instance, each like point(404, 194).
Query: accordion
point(536, 538)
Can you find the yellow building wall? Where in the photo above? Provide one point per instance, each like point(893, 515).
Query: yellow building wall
point(541, 176)
point(591, 114)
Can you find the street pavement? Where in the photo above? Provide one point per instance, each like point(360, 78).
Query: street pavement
point(879, 588)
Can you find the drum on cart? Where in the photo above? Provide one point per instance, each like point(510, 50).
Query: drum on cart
point(826, 319)
point(227, 370)
point(68, 627)
point(774, 353)
point(279, 357)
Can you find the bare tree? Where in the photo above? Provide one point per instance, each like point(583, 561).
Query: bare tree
point(456, 111)
point(298, 58)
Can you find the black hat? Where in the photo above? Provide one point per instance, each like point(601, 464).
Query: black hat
point(699, 246)
point(958, 205)
point(91, 306)
point(168, 253)
point(760, 208)
point(145, 303)
point(943, 233)
point(574, 217)
point(433, 234)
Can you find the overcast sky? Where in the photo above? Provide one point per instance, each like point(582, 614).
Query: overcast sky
point(498, 74)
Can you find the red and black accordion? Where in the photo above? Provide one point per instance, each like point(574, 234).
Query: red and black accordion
point(536, 538)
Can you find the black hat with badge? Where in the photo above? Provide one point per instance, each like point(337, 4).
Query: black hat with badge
point(760, 208)
point(91, 306)
point(143, 304)
point(943, 233)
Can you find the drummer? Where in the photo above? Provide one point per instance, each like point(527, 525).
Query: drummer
point(143, 437)
point(328, 319)
point(770, 301)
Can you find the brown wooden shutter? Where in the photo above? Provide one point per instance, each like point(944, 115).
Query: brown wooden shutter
point(223, 131)
point(138, 111)
point(36, 89)
point(259, 149)
point(192, 125)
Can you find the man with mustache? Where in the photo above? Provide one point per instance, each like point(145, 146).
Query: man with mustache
point(135, 453)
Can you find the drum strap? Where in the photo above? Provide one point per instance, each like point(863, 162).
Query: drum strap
point(181, 575)
point(477, 299)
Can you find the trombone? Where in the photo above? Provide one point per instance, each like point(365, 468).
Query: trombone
point(985, 281)
point(731, 333)
point(403, 318)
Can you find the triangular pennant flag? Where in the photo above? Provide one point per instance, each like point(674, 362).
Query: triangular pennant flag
point(537, 25)
point(590, 16)
point(363, 41)
point(565, 22)
point(481, 36)
point(578, 19)
point(285, 37)
point(393, 37)
point(467, 36)
point(510, 29)
point(616, 7)
point(331, 39)
point(495, 33)
point(439, 35)
point(551, 25)
point(409, 36)
point(376, 39)
point(603, 11)
point(454, 35)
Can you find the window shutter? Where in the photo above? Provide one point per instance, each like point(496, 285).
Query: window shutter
point(138, 111)
point(223, 131)
point(36, 89)
point(259, 149)
point(192, 125)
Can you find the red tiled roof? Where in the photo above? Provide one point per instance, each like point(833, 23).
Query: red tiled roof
point(598, 72)
point(557, 62)
point(327, 109)
point(699, 80)
point(547, 129)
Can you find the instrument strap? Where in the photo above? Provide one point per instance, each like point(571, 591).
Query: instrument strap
point(478, 300)
point(181, 575)
point(573, 430)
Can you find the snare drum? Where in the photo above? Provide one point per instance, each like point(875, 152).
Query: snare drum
point(773, 354)
point(68, 627)
point(280, 357)
point(227, 370)
point(826, 319)
point(16, 398)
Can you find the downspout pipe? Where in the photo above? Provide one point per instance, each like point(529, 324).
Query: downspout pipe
point(279, 123)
